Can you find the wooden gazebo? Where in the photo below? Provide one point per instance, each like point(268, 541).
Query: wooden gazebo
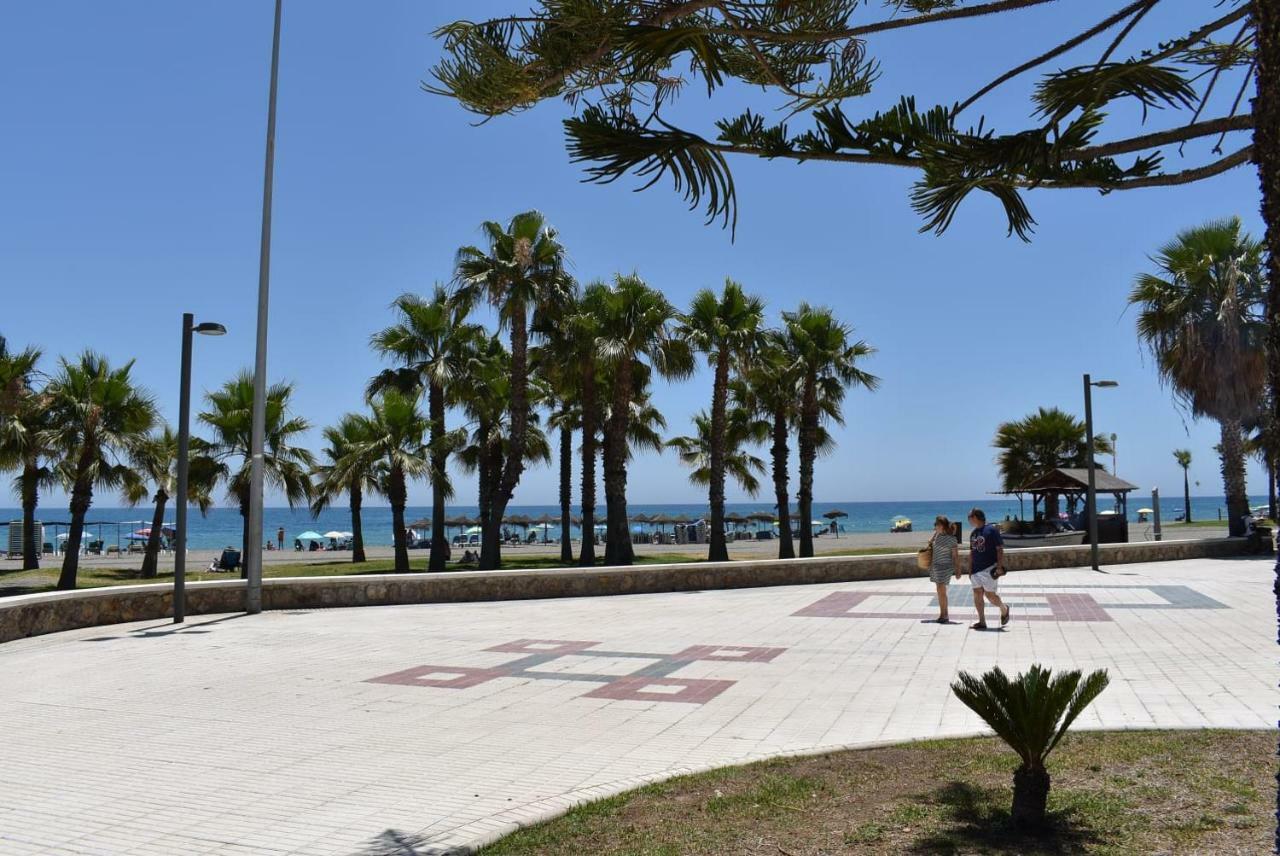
point(1073, 484)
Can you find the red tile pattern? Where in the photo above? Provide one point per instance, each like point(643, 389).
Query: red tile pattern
point(1076, 606)
point(639, 688)
point(728, 653)
point(437, 676)
point(558, 647)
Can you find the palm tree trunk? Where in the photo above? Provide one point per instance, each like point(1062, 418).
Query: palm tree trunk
point(491, 522)
point(1233, 478)
point(30, 498)
point(152, 557)
point(808, 453)
point(718, 550)
point(1271, 489)
point(243, 498)
point(1266, 154)
point(81, 499)
point(357, 527)
point(439, 461)
point(780, 454)
point(1030, 796)
point(398, 496)
point(511, 470)
point(566, 495)
point(1186, 494)
point(587, 555)
point(617, 549)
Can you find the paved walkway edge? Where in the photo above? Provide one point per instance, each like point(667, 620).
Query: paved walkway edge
point(53, 612)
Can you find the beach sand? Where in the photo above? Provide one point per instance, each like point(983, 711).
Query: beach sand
point(198, 560)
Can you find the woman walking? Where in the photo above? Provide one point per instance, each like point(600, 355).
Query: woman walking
point(945, 562)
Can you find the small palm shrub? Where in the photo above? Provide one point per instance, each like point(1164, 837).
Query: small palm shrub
point(1031, 713)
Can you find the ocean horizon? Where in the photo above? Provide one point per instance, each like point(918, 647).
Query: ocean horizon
point(222, 526)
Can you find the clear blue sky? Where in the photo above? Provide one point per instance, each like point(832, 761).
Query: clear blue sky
point(131, 168)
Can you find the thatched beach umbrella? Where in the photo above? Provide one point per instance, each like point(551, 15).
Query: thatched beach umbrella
point(546, 521)
point(833, 515)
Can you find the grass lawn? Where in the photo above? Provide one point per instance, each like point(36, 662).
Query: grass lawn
point(1113, 792)
point(45, 579)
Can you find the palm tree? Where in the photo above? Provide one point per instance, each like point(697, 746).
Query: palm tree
point(285, 466)
point(1040, 442)
point(582, 329)
point(1202, 318)
point(520, 271)
point(1031, 713)
point(1183, 457)
point(346, 470)
point(636, 329)
point(1264, 444)
point(155, 459)
point(698, 451)
point(727, 329)
point(394, 433)
point(23, 424)
point(98, 416)
point(431, 342)
point(827, 364)
point(768, 388)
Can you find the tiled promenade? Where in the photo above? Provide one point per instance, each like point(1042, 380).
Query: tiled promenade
point(416, 729)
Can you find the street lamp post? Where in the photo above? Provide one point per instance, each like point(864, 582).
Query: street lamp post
point(208, 328)
point(1091, 502)
point(253, 557)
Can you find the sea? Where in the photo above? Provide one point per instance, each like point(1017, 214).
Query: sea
point(221, 527)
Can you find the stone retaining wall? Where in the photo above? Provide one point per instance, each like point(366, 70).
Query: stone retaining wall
point(36, 614)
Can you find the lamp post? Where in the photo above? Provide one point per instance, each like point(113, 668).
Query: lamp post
point(207, 328)
point(1091, 503)
point(253, 557)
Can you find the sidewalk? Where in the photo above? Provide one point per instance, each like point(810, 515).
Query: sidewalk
point(417, 728)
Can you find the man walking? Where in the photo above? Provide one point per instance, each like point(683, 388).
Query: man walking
point(280, 538)
point(986, 566)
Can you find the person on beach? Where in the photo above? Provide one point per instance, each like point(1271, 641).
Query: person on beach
point(986, 565)
point(945, 562)
point(280, 538)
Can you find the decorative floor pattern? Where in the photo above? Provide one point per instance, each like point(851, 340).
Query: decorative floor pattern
point(1066, 603)
point(650, 682)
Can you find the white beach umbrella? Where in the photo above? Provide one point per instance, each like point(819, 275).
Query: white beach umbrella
point(335, 534)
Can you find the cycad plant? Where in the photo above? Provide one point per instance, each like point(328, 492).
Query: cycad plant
point(1031, 713)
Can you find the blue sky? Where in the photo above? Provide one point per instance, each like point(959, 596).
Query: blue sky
point(132, 168)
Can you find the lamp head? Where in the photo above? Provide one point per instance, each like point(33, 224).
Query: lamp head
point(1105, 384)
point(210, 328)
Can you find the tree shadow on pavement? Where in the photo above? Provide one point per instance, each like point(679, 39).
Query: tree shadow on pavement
point(393, 842)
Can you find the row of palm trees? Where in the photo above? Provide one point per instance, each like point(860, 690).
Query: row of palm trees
point(576, 362)
point(581, 361)
point(89, 427)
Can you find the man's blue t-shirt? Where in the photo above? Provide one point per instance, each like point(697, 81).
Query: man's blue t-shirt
point(982, 544)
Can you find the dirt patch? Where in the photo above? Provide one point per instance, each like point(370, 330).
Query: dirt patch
point(1115, 792)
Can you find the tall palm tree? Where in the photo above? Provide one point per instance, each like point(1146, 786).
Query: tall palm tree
point(23, 425)
point(286, 467)
point(725, 327)
point(432, 342)
point(1042, 441)
point(346, 470)
point(582, 330)
point(155, 460)
point(1263, 443)
point(826, 361)
point(520, 271)
point(97, 417)
point(769, 389)
point(1202, 318)
point(1183, 457)
point(637, 328)
point(395, 433)
point(698, 450)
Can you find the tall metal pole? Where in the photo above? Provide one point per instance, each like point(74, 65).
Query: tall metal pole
point(1091, 504)
point(1155, 512)
point(253, 559)
point(184, 441)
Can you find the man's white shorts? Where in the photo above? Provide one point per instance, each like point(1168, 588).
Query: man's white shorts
point(984, 580)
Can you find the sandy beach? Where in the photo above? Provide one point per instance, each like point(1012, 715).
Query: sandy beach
point(199, 560)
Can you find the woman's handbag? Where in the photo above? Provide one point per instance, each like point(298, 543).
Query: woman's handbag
point(924, 556)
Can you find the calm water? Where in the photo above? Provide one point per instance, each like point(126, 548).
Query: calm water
point(221, 527)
